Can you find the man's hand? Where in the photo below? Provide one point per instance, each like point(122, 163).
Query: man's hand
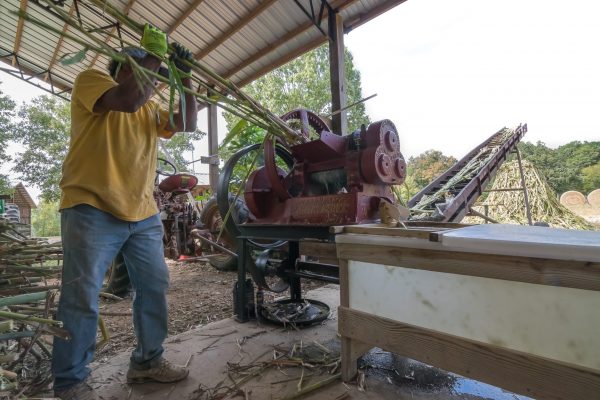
point(154, 40)
point(180, 55)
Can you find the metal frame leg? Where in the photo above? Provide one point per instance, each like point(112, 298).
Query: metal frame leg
point(295, 286)
point(240, 306)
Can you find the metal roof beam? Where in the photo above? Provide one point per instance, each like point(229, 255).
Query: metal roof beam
point(19, 34)
point(374, 12)
point(60, 41)
point(336, 5)
point(112, 31)
point(288, 57)
point(183, 16)
point(234, 29)
point(316, 20)
point(26, 74)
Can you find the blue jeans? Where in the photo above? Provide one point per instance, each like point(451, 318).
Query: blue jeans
point(91, 239)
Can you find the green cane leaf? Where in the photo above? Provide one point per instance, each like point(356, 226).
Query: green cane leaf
point(73, 58)
point(235, 131)
point(171, 93)
point(181, 91)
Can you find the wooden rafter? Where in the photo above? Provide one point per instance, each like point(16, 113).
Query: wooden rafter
point(60, 41)
point(112, 31)
point(374, 12)
point(348, 26)
point(234, 29)
point(183, 16)
point(313, 44)
point(20, 25)
point(339, 5)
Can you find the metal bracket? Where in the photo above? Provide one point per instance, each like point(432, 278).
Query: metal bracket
point(28, 76)
point(317, 18)
point(210, 160)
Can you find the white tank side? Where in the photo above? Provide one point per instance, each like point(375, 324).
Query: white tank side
point(554, 322)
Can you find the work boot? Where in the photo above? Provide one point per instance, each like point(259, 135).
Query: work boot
point(164, 372)
point(78, 391)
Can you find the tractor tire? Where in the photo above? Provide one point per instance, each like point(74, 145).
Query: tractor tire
point(211, 218)
point(119, 283)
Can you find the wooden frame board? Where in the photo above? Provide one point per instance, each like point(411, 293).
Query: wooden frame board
point(519, 372)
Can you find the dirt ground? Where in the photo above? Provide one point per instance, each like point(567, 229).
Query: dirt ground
point(198, 294)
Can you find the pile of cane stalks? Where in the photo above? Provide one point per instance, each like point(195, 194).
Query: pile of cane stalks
point(509, 206)
point(29, 273)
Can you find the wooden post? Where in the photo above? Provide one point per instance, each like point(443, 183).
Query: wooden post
point(213, 147)
point(524, 186)
point(338, 76)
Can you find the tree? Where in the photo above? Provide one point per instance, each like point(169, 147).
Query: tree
point(428, 165)
point(178, 144)
point(43, 130)
point(304, 83)
point(563, 167)
point(45, 219)
point(590, 177)
point(7, 114)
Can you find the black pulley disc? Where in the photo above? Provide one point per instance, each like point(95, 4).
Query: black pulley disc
point(298, 313)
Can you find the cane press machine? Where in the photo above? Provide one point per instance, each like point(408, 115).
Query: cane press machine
point(298, 194)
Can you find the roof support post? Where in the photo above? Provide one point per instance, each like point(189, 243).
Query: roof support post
point(213, 147)
point(338, 76)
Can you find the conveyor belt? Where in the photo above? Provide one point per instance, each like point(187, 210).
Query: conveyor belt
point(449, 197)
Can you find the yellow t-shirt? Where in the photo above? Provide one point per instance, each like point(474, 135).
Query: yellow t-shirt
point(111, 161)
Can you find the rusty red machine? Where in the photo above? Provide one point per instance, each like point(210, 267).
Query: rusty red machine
point(334, 180)
point(300, 191)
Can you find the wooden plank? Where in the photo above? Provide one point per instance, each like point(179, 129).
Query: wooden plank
point(339, 99)
point(318, 249)
point(60, 41)
point(372, 13)
point(19, 33)
point(183, 16)
point(339, 5)
point(313, 44)
point(352, 349)
point(575, 274)
point(511, 370)
point(419, 233)
point(234, 29)
point(213, 145)
point(344, 284)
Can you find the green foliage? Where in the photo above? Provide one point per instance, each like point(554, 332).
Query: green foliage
point(7, 113)
point(564, 166)
point(590, 177)
point(248, 135)
point(43, 131)
point(304, 83)
point(427, 166)
point(45, 220)
point(179, 144)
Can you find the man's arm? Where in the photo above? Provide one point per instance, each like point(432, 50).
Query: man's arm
point(128, 96)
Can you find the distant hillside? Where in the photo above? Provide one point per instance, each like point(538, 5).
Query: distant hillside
point(573, 166)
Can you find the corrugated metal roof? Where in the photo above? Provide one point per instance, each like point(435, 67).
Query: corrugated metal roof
point(239, 39)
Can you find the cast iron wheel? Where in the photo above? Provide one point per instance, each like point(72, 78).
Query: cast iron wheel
point(119, 283)
point(211, 218)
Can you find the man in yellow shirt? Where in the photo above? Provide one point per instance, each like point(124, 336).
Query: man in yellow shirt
point(107, 206)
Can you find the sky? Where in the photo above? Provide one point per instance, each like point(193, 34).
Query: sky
point(449, 74)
